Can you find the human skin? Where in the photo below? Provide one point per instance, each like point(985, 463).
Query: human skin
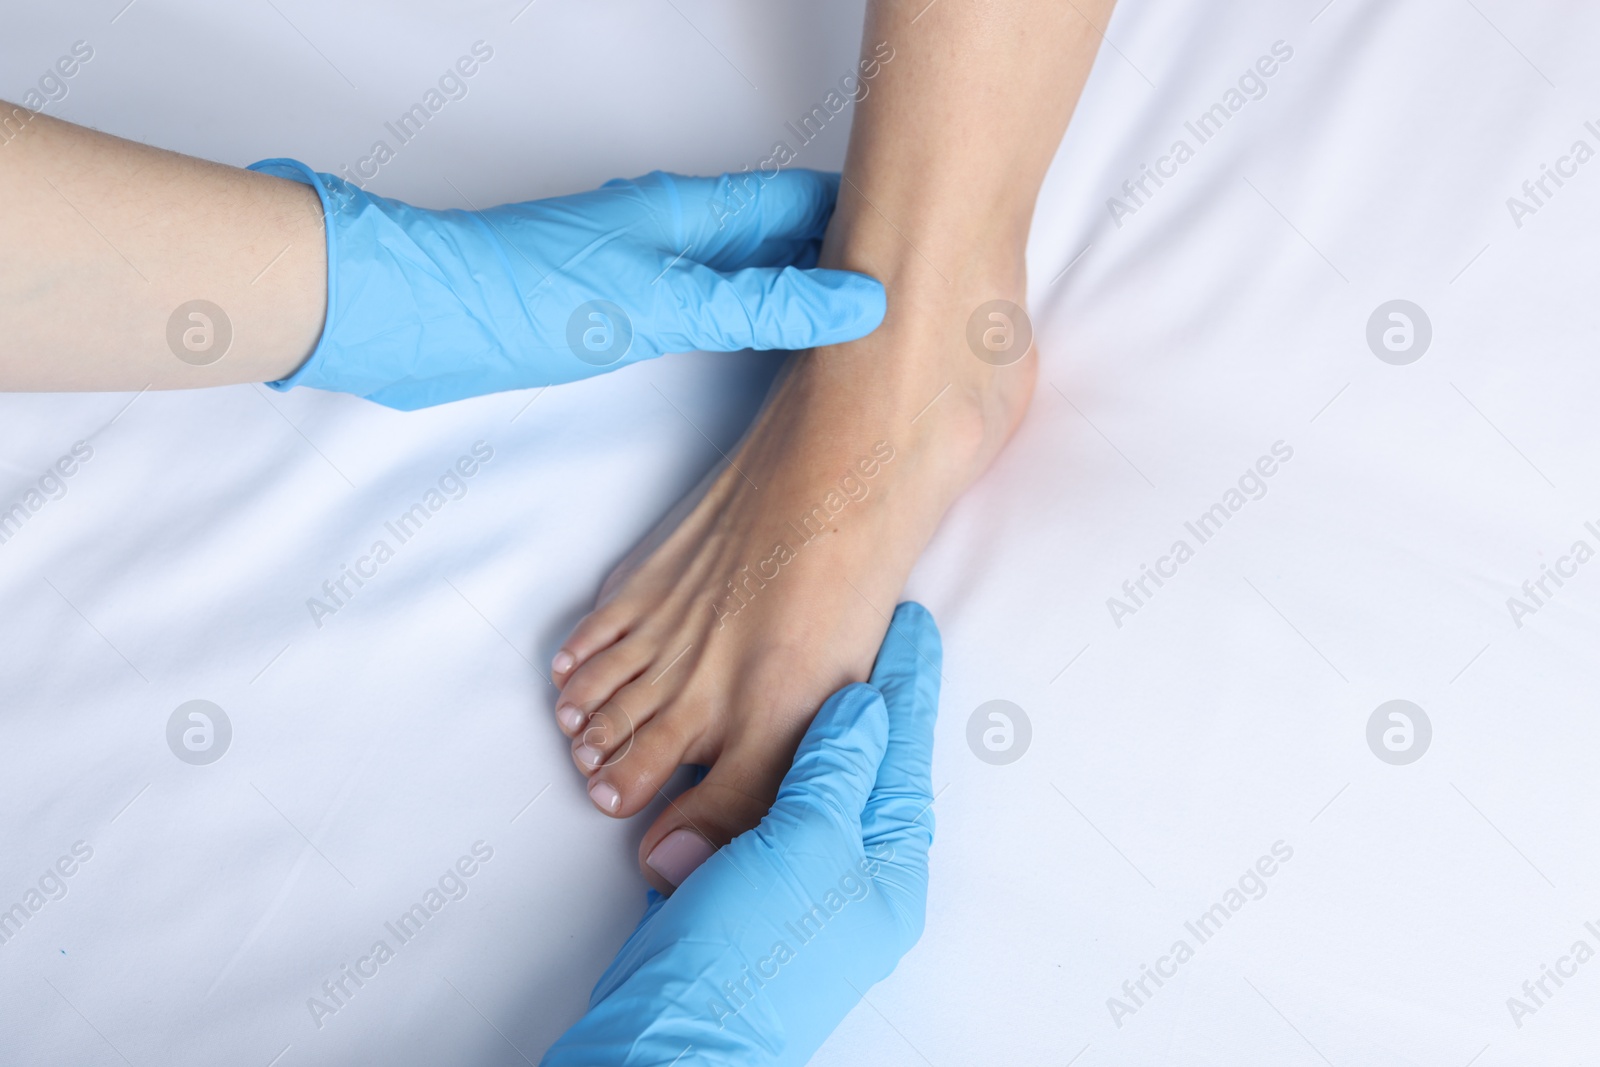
point(105, 238)
point(715, 641)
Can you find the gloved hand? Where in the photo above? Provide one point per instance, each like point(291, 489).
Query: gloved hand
point(425, 307)
point(761, 952)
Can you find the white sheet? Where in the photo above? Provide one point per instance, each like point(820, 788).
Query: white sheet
point(1227, 714)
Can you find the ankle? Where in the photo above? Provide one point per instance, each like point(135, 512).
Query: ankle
point(926, 258)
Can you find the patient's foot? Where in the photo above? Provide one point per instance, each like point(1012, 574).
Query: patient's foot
point(771, 587)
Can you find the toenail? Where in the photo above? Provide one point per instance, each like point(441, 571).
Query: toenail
point(588, 755)
point(605, 796)
point(570, 718)
point(677, 855)
point(563, 662)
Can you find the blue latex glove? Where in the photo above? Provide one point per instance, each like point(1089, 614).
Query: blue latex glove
point(425, 307)
point(762, 951)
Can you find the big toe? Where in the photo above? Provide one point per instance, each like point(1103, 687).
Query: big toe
point(733, 797)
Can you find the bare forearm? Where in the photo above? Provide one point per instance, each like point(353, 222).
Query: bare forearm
point(103, 243)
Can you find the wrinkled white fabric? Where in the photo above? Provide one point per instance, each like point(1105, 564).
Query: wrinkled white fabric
point(1224, 719)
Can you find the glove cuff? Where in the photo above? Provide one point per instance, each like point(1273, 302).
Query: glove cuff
point(412, 321)
point(334, 195)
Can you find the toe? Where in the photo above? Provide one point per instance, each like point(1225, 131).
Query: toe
point(733, 798)
point(598, 680)
point(599, 630)
point(607, 734)
point(632, 777)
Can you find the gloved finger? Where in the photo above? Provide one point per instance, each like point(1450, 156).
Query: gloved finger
point(837, 761)
point(803, 256)
point(765, 308)
point(772, 252)
point(899, 812)
point(755, 220)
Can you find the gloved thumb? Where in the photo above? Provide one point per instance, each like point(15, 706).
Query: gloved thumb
point(771, 307)
point(838, 759)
